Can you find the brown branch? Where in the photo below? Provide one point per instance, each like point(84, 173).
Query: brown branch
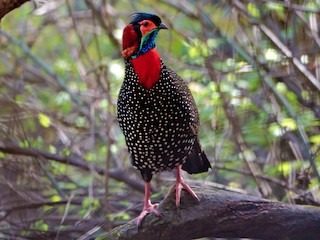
point(223, 214)
point(7, 6)
point(116, 174)
point(7, 210)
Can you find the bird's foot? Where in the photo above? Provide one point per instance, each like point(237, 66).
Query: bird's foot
point(148, 208)
point(178, 186)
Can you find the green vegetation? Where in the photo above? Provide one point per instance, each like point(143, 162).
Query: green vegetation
point(253, 68)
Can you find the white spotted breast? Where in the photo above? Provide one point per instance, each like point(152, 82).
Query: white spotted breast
point(160, 124)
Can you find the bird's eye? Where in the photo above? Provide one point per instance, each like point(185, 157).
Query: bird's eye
point(145, 24)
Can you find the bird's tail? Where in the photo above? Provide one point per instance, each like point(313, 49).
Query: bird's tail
point(197, 161)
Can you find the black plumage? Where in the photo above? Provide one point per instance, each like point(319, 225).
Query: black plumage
point(156, 112)
point(160, 124)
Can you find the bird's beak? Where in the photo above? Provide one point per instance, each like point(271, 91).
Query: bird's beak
point(162, 26)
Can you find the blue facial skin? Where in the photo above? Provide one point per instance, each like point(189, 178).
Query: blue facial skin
point(147, 43)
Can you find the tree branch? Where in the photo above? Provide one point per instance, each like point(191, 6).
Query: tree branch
point(223, 214)
point(7, 6)
point(116, 174)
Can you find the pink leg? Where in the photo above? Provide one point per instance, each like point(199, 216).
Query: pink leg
point(179, 184)
point(147, 206)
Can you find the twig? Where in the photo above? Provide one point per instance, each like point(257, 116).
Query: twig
point(46, 68)
point(293, 6)
point(264, 177)
point(264, 187)
point(280, 45)
point(103, 15)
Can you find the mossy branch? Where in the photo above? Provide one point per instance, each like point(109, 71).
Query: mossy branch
point(224, 214)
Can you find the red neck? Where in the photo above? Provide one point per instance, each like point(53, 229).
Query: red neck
point(148, 68)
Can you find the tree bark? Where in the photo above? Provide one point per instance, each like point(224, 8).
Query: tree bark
point(223, 214)
point(8, 5)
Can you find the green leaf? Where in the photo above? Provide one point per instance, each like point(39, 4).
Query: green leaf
point(44, 120)
point(64, 102)
point(20, 98)
point(90, 156)
point(289, 123)
point(24, 143)
point(271, 54)
point(275, 7)
point(315, 139)
point(118, 216)
point(275, 130)
point(41, 226)
point(281, 87)
point(52, 149)
point(253, 10)
point(285, 168)
point(90, 202)
point(55, 198)
point(47, 208)
point(80, 121)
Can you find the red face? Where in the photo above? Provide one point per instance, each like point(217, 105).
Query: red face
point(130, 39)
point(146, 26)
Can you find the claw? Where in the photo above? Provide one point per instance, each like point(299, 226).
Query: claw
point(148, 207)
point(179, 184)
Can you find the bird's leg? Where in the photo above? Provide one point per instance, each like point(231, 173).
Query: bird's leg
point(148, 207)
point(179, 184)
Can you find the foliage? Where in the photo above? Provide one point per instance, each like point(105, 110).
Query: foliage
point(253, 68)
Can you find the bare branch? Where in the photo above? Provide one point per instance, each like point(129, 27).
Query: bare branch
point(117, 174)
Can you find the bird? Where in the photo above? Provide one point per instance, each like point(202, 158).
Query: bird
point(157, 112)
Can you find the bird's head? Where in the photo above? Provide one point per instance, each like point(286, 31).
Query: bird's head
point(139, 36)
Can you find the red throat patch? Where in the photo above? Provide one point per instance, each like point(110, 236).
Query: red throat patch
point(148, 68)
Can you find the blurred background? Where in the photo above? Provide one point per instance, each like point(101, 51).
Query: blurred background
point(253, 68)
